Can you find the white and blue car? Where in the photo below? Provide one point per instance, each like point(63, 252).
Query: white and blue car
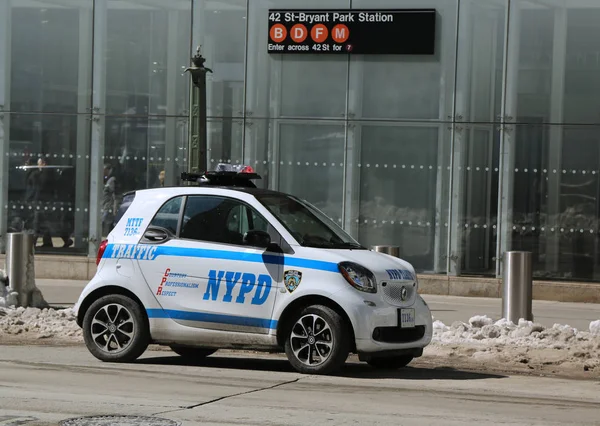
point(221, 264)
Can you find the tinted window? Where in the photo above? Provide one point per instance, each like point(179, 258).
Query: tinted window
point(168, 215)
point(221, 220)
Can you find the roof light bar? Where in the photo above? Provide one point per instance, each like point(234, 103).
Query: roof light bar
point(224, 175)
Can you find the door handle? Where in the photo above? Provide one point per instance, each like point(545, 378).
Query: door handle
point(155, 236)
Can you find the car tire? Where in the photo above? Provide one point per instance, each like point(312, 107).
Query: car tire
point(390, 363)
point(115, 329)
point(192, 353)
point(332, 340)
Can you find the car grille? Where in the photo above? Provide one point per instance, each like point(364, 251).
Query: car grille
point(392, 293)
point(398, 335)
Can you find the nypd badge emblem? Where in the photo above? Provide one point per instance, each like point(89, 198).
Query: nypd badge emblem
point(291, 279)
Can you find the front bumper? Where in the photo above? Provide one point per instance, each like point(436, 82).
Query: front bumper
point(377, 330)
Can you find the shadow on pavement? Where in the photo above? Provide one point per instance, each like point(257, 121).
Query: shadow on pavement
point(364, 371)
point(351, 369)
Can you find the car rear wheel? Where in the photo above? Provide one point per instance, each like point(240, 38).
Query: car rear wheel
point(115, 329)
point(390, 363)
point(192, 353)
point(318, 341)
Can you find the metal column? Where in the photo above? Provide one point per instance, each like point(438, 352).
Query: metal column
point(559, 60)
point(391, 250)
point(458, 141)
point(446, 110)
point(197, 151)
point(19, 266)
point(97, 138)
point(517, 292)
point(507, 135)
point(81, 157)
point(171, 122)
point(5, 74)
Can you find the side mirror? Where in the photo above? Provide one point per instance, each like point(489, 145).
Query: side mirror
point(257, 238)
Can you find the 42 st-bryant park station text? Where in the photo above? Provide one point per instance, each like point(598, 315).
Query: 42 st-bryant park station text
point(314, 18)
point(379, 32)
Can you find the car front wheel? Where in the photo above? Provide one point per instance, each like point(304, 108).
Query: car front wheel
point(318, 341)
point(115, 329)
point(390, 363)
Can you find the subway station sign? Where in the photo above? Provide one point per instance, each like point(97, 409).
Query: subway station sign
point(356, 31)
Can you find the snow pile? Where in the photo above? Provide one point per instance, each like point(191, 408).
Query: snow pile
point(484, 330)
point(505, 343)
point(41, 323)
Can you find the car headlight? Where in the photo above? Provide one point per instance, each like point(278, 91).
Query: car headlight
point(358, 277)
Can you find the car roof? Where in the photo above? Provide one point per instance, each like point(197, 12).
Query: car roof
point(200, 188)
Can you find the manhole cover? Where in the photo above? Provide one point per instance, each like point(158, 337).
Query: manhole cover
point(118, 421)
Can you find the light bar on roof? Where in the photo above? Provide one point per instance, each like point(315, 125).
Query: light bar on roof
point(240, 168)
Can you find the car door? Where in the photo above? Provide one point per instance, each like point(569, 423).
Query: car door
point(206, 275)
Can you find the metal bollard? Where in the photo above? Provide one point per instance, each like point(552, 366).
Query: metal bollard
point(19, 250)
point(517, 280)
point(391, 250)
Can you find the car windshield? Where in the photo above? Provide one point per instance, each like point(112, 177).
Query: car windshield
point(307, 224)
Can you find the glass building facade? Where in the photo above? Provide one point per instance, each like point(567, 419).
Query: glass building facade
point(491, 144)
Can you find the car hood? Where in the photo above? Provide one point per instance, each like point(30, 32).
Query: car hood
point(384, 266)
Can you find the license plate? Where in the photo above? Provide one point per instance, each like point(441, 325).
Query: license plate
point(407, 318)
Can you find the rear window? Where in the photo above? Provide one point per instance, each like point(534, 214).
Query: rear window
point(127, 200)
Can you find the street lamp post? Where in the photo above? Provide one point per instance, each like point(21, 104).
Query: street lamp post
point(197, 143)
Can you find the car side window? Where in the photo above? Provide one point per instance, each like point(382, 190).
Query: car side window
point(168, 215)
point(221, 220)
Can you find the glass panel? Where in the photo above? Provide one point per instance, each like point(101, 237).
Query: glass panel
point(292, 85)
point(481, 37)
point(51, 57)
point(558, 61)
point(220, 28)
point(476, 184)
point(396, 200)
point(407, 87)
point(535, 58)
point(582, 80)
point(147, 49)
point(311, 163)
point(142, 152)
point(225, 141)
point(556, 206)
point(48, 180)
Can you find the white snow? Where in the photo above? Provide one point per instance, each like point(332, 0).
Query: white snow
point(483, 330)
point(41, 323)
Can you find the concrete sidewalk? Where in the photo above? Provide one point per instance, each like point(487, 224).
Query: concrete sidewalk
point(444, 308)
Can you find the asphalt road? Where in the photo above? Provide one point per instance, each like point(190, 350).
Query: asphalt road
point(445, 308)
point(45, 385)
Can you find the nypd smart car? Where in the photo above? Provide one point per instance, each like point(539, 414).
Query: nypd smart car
point(220, 264)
